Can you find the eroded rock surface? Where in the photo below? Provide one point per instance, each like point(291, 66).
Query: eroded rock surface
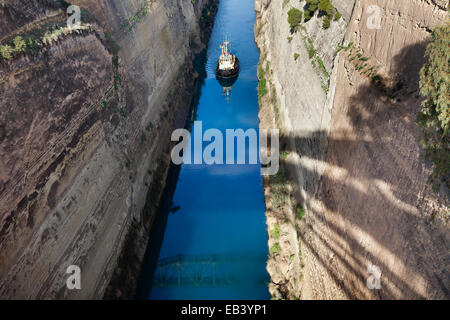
point(353, 156)
point(85, 124)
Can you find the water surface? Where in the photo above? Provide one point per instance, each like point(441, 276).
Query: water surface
point(213, 240)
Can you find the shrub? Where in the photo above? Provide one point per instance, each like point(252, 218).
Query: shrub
point(262, 87)
point(337, 15)
point(276, 232)
point(311, 7)
point(143, 138)
point(275, 249)
point(31, 43)
point(6, 52)
point(326, 23)
point(327, 7)
point(434, 118)
point(294, 18)
point(296, 55)
point(311, 50)
point(262, 83)
point(322, 67)
point(299, 212)
point(19, 44)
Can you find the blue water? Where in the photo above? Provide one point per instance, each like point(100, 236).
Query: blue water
point(215, 240)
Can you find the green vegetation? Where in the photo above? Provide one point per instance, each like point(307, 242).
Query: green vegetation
point(319, 67)
point(325, 7)
point(296, 55)
point(113, 46)
point(359, 59)
point(52, 35)
point(117, 82)
point(262, 82)
point(275, 249)
point(143, 138)
point(279, 189)
point(299, 212)
point(19, 44)
point(207, 17)
point(294, 18)
point(311, 50)
point(275, 233)
point(6, 52)
point(434, 118)
point(34, 39)
point(135, 19)
point(275, 108)
point(322, 67)
point(326, 23)
point(123, 112)
point(149, 126)
point(337, 16)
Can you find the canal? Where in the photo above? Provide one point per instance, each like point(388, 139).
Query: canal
point(209, 240)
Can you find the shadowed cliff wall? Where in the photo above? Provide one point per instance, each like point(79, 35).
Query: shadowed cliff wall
point(85, 124)
point(351, 155)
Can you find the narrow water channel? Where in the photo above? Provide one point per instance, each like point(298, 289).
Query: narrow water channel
point(212, 235)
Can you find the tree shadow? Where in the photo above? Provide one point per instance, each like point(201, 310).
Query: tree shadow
point(372, 192)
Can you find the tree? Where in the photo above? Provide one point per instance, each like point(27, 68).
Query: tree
point(434, 118)
point(312, 5)
point(327, 7)
point(294, 18)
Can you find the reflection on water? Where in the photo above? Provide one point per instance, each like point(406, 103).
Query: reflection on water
point(209, 240)
point(227, 86)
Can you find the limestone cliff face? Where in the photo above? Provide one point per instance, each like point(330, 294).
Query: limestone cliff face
point(85, 124)
point(352, 154)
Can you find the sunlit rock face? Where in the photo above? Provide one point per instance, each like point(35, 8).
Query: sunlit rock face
point(85, 124)
point(353, 151)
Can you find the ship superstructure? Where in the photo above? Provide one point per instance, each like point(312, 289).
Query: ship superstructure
point(228, 64)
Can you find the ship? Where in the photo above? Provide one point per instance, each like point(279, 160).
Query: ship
point(228, 64)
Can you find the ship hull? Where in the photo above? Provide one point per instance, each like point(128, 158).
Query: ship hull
point(228, 73)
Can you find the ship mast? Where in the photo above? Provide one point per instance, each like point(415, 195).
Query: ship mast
point(226, 43)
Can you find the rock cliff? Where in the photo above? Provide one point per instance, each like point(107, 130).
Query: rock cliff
point(85, 123)
point(352, 196)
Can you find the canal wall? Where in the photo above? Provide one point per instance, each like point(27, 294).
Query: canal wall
point(85, 122)
point(351, 196)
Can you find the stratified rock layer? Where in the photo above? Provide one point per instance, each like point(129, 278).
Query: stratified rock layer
point(85, 125)
point(353, 154)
